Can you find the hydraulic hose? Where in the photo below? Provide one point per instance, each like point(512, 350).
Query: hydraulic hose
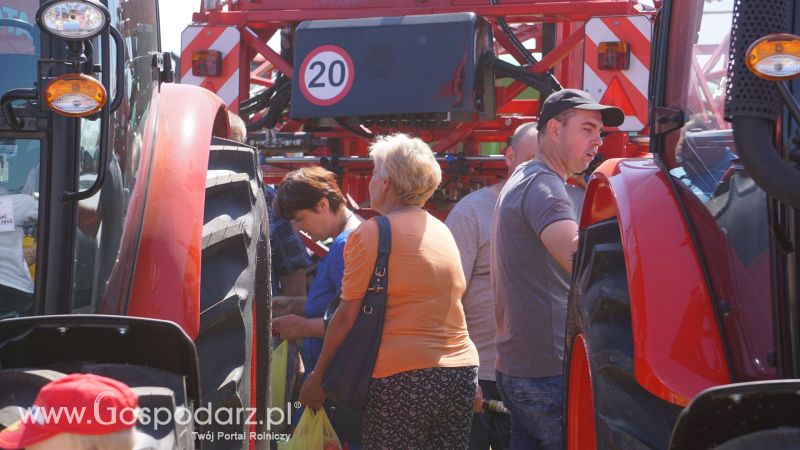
point(753, 136)
point(501, 22)
point(258, 101)
point(541, 83)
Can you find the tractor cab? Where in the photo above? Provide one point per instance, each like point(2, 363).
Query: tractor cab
point(77, 103)
point(112, 261)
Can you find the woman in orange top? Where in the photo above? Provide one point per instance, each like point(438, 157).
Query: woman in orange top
point(425, 377)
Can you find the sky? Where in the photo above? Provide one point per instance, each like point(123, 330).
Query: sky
point(175, 15)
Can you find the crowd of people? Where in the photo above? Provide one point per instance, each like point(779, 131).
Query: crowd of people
point(475, 307)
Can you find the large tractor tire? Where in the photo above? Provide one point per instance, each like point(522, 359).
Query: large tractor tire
point(235, 290)
point(234, 324)
point(604, 405)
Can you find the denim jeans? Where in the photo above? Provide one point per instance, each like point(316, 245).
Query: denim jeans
point(535, 405)
point(490, 429)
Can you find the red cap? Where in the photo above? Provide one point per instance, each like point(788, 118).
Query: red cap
point(78, 403)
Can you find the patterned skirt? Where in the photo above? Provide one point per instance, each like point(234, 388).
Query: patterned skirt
point(420, 409)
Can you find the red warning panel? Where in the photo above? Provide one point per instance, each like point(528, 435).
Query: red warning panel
point(222, 74)
point(627, 88)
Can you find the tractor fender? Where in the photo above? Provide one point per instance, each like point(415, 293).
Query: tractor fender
point(678, 349)
point(166, 281)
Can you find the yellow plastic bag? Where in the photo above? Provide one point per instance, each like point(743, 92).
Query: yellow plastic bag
point(277, 376)
point(313, 432)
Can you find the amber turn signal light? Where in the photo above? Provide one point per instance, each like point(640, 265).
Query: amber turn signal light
point(613, 56)
point(207, 63)
point(75, 95)
point(775, 57)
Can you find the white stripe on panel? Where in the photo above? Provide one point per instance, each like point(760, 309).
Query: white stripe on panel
point(229, 91)
point(188, 78)
point(644, 26)
point(226, 41)
point(188, 36)
point(592, 83)
point(639, 75)
point(631, 123)
point(598, 32)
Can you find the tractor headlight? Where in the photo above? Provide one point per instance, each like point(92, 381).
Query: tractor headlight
point(73, 20)
point(75, 95)
point(775, 57)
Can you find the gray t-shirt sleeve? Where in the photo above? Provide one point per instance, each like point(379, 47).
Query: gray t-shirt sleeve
point(546, 201)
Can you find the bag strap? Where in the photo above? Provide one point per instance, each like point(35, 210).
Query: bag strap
point(378, 283)
point(384, 240)
point(376, 289)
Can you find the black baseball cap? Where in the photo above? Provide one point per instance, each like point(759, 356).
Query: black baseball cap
point(575, 98)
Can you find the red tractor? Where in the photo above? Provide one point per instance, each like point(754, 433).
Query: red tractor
point(682, 318)
point(134, 234)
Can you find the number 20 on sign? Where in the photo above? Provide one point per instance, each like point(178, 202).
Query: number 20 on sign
point(326, 75)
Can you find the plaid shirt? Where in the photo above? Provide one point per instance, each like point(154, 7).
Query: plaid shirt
point(288, 251)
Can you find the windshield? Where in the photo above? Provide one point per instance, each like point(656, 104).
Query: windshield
point(102, 258)
point(19, 164)
point(19, 44)
point(108, 221)
point(19, 212)
point(727, 210)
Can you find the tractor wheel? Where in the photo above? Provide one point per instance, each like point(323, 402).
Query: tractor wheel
point(605, 406)
point(234, 291)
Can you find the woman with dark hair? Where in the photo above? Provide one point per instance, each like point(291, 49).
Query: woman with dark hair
point(311, 198)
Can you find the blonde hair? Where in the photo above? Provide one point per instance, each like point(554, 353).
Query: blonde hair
point(409, 164)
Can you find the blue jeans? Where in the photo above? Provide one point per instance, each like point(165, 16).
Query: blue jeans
point(490, 429)
point(536, 408)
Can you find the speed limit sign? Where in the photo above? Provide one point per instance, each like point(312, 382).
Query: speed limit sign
point(326, 75)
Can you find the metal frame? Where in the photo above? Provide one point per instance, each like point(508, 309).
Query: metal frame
point(259, 21)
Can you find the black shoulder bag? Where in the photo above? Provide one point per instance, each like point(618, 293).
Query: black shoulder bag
point(348, 376)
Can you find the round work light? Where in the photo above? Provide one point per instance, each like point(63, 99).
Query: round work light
point(73, 20)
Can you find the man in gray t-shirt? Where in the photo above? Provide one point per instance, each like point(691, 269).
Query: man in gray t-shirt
point(470, 221)
point(534, 236)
